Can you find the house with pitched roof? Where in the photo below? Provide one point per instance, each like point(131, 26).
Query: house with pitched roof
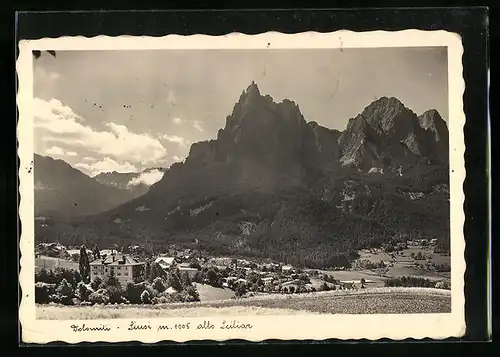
point(166, 262)
point(126, 268)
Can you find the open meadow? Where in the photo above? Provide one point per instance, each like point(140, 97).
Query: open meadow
point(51, 263)
point(366, 301)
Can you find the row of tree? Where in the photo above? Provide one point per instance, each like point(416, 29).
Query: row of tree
point(67, 287)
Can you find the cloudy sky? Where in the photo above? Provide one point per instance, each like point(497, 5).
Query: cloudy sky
point(128, 110)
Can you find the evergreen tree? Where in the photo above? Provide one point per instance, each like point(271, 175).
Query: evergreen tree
point(96, 252)
point(185, 280)
point(174, 280)
point(84, 264)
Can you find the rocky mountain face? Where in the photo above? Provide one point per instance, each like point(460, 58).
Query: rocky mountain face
point(387, 135)
point(273, 185)
point(62, 191)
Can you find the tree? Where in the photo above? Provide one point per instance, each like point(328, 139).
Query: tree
point(185, 280)
point(96, 283)
point(214, 277)
point(83, 291)
point(41, 293)
point(155, 271)
point(240, 290)
point(113, 287)
point(145, 297)
point(192, 293)
point(96, 252)
point(84, 264)
point(174, 280)
point(159, 285)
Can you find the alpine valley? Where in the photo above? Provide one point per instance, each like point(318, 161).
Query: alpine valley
point(273, 185)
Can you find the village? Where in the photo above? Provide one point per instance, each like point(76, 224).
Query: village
point(237, 277)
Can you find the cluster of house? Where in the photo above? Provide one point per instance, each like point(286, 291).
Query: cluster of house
point(168, 262)
point(129, 269)
point(421, 242)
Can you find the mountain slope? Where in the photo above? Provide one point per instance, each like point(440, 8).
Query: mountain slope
point(273, 185)
point(62, 191)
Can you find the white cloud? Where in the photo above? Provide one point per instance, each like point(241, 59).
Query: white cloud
point(61, 125)
point(55, 151)
point(175, 139)
point(177, 158)
point(88, 158)
point(197, 125)
point(105, 165)
point(147, 178)
point(178, 121)
point(44, 76)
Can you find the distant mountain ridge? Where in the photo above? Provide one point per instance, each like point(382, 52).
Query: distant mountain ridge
point(63, 191)
point(274, 185)
point(130, 181)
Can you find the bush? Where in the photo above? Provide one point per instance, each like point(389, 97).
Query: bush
point(43, 292)
point(443, 285)
point(114, 293)
point(161, 300)
point(146, 298)
point(324, 287)
point(65, 289)
point(133, 293)
point(99, 297)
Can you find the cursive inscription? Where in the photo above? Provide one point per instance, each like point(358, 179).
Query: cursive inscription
point(86, 328)
point(234, 325)
point(134, 326)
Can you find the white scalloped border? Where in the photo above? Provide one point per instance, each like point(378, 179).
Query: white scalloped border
point(314, 327)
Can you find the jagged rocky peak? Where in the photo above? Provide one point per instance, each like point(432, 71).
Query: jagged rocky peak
point(253, 89)
point(387, 112)
point(385, 134)
point(432, 120)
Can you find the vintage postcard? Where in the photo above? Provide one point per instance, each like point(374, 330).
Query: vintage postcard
point(255, 187)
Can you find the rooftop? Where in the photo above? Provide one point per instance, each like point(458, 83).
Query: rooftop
point(117, 259)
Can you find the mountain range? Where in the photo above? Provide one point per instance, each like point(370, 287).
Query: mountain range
point(272, 184)
point(137, 183)
point(62, 191)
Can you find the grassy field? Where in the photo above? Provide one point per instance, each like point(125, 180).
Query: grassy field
point(404, 264)
point(209, 293)
point(369, 301)
point(50, 263)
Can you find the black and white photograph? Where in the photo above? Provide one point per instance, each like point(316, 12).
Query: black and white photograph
point(231, 187)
